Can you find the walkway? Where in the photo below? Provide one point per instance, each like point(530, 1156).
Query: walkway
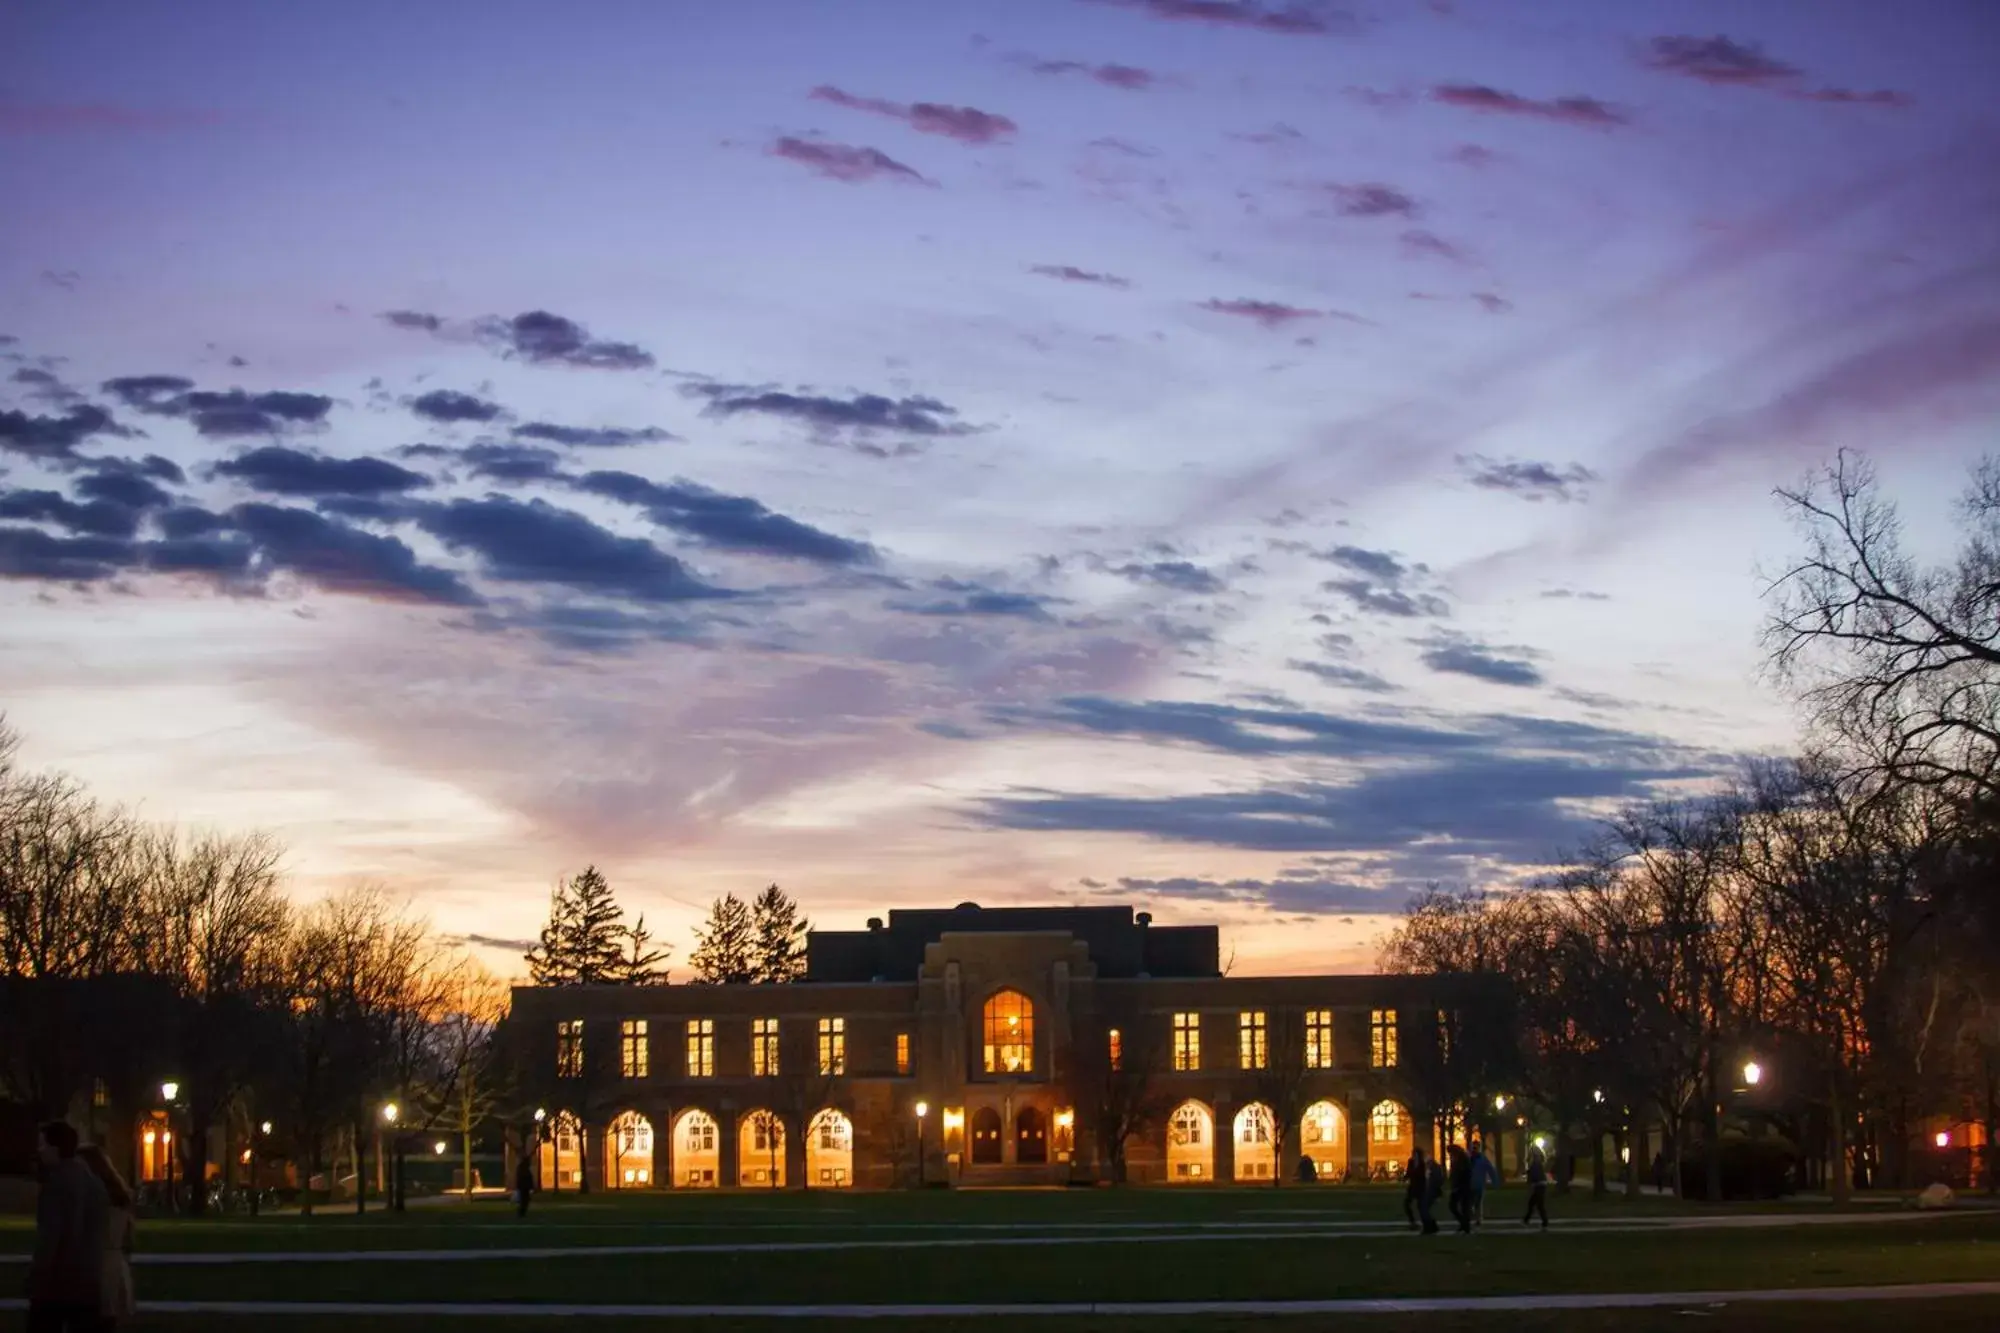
point(1117, 1233)
point(1610, 1300)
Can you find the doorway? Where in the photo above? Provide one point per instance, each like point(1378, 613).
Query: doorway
point(1031, 1136)
point(985, 1136)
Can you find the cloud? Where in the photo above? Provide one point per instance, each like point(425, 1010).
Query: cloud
point(224, 414)
point(449, 405)
point(1564, 594)
point(96, 518)
point(963, 123)
point(592, 437)
point(1389, 601)
point(55, 438)
point(1270, 314)
point(1294, 20)
point(30, 553)
point(414, 319)
point(1353, 678)
point(1461, 657)
point(1297, 892)
point(548, 339)
point(95, 117)
point(976, 600)
point(337, 558)
point(511, 463)
point(1472, 155)
point(538, 542)
point(727, 522)
point(1529, 480)
point(844, 162)
point(1131, 78)
point(1492, 303)
point(277, 470)
point(1725, 63)
point(1380, 565)
point(1071, 273)
point(45, 386)
point(1373, 201)
point(1492, 786)
point(865, 414)
point(1179, 575)
point(134, 483)
point(1419, 244)
point(1717, 60)
point(535, 336)
point(1586, 111)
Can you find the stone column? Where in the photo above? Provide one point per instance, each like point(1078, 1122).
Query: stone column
point(1224, 1156)
point(727, 1166)
point(795, 1152)
point(1358, 1131)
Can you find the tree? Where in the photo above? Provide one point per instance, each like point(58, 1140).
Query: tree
point(1119, 1081)
point(725, 951)
point(1282, 1084)
point(583, 943)
point(467, 1046)
point(641, 964)
point(1899, 664)
point(780, 949)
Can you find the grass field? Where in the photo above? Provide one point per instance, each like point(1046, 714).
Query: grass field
point(1057, 1247)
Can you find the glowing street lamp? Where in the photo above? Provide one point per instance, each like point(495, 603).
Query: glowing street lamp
point(390, 1111)
point(1943, 1138)
point(1542, 1142)
point(541, 1114)
point(266, 1127)
point(1598, 1095)
point(169, 1090)
point(923, 1109)
point(1500, 1102)
point(438, 1147)
point(1753, 1073)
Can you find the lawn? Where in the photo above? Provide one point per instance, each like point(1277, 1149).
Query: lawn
point(1076, 1246)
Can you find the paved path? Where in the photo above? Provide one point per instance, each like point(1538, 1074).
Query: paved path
point(1610, 1300)
point(1139, 1233)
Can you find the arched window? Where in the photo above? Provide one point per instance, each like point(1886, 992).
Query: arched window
point(1385, 1123)
point(1188, 1125)
point(1010, 1034)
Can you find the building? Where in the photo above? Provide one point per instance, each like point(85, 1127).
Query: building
point(980, 1046)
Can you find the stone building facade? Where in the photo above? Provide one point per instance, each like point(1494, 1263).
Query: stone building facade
point(981, 1046)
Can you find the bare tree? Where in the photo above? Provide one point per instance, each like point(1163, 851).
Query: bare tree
point(1899, 664)
point(471, 1072)
point(1118, 1079)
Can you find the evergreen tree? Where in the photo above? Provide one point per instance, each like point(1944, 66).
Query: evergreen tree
point(640, 967)
point(781, 937)
point(582, 943)
point(725, 951)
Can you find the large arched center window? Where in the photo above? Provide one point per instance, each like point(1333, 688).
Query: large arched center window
point(1010, 1034)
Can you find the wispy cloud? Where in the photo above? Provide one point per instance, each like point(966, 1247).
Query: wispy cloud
point(1071, 273)
point(850, 163)
point(963, 123)
point(1294, 20)
point(1585, 111)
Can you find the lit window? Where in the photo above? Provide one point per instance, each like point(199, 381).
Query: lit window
point(1385, 1123)
point(1382, 1039)
point(902, 1052)
point(698, 1132)
point(1117, 1042)
point(832, 1046)
point(569, 1048)
point(1187, 1042)
point(1253, 1127)
point(1185, 1128)
point(632, 1134)
point(1319, 1039)
point(764, 1047)
point(767, 1132)
point(701, 1048)
point(1010, 1034)
point(1251, 1052)
point(633, 1056)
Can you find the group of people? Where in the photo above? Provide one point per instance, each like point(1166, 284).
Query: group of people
point(1463, 1179)
point(80, 1277)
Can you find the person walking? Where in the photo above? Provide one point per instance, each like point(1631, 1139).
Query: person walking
point(1416, 1179)
point(1461, 1188)
point(1538, 1188)
point(66, 1273)
point(118, 1301)
point(524, 1185)
point(1484, 1173)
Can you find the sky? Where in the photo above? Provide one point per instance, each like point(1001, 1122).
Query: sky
point(1245, 461)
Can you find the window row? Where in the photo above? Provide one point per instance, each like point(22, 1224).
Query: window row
point(635, 1048)
point(1253, 1040)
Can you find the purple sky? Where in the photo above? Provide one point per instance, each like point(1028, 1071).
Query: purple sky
point(1245, 461)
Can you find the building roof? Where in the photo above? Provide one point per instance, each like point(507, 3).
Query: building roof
point(1122, 943)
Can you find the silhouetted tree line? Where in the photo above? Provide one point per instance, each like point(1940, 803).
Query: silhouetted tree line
point(1834, 918)
point(133, 956)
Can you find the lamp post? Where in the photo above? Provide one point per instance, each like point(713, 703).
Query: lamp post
point(923, 1110)
point(1753, 1073)
point(169, 1092)
point(390, 1113)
